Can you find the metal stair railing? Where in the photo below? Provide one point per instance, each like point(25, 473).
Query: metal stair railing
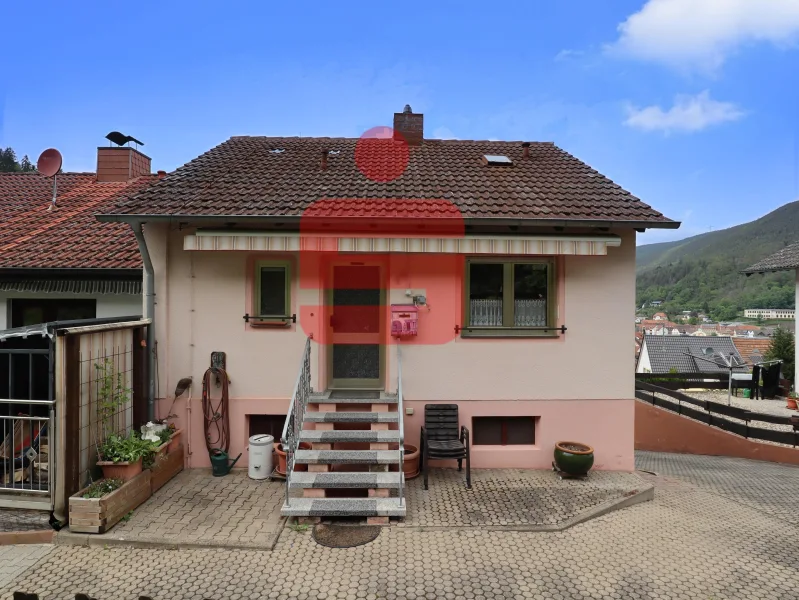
point(296, 416)
point(401, 419)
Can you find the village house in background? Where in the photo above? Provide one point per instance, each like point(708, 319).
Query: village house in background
point(786, 259)
point(310, 262)
point(770, 313)
point(677, 354)
point(60, 263)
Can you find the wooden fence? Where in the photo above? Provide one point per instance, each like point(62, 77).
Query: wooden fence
point(715, 414)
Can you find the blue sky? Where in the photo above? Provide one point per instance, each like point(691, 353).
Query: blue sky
point(692, 105)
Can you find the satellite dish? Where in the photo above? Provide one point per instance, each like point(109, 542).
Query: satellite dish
point(49, 162)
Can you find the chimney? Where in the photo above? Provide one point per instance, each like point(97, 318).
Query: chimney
point(409, 125)
point(324, 159)
point(526, 152)
point(121, 163)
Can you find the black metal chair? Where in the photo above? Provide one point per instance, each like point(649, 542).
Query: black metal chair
point(441, 439)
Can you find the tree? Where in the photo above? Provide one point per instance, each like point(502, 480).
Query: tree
point(782, 347)
point(9, 163)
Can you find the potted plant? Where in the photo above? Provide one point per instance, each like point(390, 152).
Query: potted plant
point(121, 457)
point(791, 401)
point(574, 458)
point(281, 458)
point(175, 436)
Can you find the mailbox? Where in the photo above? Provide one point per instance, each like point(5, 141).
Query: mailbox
point(404, 320)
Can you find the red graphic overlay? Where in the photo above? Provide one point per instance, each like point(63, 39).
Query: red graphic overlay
point(382, 154)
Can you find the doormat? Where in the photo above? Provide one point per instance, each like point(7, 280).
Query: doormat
point(355, 395)
point(344, 536)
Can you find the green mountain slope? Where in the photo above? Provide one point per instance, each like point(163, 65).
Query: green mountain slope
point(702, 272)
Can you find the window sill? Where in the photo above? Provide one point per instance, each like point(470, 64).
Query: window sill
point(509, 332)
point(269, 324)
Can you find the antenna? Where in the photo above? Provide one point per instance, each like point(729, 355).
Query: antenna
point(49, 164)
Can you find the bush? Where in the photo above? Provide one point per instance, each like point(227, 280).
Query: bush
point(131, 448)
point(101, 488)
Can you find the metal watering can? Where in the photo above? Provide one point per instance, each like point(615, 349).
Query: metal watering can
point(219, 462)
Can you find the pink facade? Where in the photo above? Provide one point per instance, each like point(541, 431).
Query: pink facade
point(578, 385)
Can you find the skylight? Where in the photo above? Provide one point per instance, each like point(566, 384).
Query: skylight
point(497, 160)
point(277, 151)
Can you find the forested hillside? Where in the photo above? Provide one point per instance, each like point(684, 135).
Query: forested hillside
point(702, 272)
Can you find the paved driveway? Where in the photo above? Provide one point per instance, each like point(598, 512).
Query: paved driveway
point(705, 536)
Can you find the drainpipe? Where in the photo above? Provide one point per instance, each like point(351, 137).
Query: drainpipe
point(149, 313)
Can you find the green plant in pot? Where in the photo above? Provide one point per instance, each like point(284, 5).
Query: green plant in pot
point(122, 457)
point(574, 458)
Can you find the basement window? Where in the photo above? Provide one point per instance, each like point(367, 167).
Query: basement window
point(503, 431)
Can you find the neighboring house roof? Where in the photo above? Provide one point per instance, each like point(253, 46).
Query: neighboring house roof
point(784, 260)
point(283, 177)
point(682, 352)
point(31, 237)
point(660, 314)
point(753, 350)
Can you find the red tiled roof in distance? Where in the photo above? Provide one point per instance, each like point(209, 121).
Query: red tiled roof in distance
point(283, 177)
point(752, 350)
point(31, 236)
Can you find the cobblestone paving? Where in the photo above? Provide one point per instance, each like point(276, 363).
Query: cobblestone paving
point(198, 508)
point(511, 497)
point(14, 560)
point(768, 487)
point(23, 520)
point(689, 543)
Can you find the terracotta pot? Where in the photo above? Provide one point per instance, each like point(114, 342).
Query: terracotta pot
point(410, 466)
point(790, 403)
point(121, 470)
point(574, 458)
point(281, 458)
point(174, 441)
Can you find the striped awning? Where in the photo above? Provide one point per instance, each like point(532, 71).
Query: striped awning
point(539, 245)
point(73, 286)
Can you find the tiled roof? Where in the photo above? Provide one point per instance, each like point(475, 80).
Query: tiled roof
point(263, 176)
point(73, 286)
point(784, 260)
point(752, 350)
point(69, 236)
point(679, 352)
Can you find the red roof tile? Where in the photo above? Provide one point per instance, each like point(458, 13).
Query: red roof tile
point(69, 236)
point(263, 176)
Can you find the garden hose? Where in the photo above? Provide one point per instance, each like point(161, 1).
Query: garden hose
point(215, 412)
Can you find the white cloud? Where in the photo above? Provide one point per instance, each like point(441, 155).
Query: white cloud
point(689, 113)
point(567, 54)
point(443, 133)
point(702, 33)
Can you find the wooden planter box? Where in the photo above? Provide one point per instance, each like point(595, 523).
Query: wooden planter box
point(166, 468)
point(98, 515)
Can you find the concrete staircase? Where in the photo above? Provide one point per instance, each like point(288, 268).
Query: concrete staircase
point(353, 442)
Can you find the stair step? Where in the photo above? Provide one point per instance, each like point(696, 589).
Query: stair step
point(303, 479)
point(323, 400)
point(351, 417)
point(343, 435)
point(343, 507)
point(352, 401)
point(363, 457)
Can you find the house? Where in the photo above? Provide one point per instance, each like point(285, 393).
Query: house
point(686, 354)
point(341, 272)
point(786, 259)
point(753, 351)
point(62, 264)
point(656, 303)
point(660, 317)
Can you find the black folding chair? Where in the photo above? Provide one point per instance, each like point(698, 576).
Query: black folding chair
point(441, 439)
